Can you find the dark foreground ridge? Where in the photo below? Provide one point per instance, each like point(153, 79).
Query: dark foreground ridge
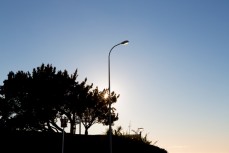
point(37, 142)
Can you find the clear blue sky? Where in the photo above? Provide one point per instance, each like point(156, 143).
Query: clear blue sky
point(173, 77)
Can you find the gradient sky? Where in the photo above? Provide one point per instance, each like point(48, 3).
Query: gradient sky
point(173, 77)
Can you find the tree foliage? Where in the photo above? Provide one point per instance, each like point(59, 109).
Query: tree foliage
point(36, 101)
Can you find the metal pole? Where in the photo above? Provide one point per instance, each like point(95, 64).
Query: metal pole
point(63, 141)
point(109, 87)
point(80, 126)
point(110, 129)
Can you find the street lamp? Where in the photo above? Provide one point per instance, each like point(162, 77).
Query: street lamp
point(109, 87)
point(64, 122)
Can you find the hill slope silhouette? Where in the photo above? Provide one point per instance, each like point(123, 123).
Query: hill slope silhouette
point(38, 142)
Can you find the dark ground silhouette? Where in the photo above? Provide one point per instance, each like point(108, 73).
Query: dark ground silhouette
point(37, 142)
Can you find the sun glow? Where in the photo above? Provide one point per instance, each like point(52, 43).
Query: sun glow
point(106, 95)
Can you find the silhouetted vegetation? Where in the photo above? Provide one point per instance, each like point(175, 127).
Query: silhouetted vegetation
point(36, 101)
point(32, 103)
point(138, 137)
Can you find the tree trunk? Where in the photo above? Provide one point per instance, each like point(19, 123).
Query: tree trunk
point(86, 131)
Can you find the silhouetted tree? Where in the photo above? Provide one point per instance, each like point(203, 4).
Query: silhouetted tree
point(95, 109)
point(35, 102)
point(33, 99)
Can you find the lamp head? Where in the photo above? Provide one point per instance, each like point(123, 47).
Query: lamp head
point(124, 42)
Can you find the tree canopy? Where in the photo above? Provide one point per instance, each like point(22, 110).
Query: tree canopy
point(36, 101)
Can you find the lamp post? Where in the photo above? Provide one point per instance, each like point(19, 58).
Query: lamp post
point(64, 122)
point(109, 87)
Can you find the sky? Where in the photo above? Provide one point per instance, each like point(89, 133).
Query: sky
point(172, 77)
